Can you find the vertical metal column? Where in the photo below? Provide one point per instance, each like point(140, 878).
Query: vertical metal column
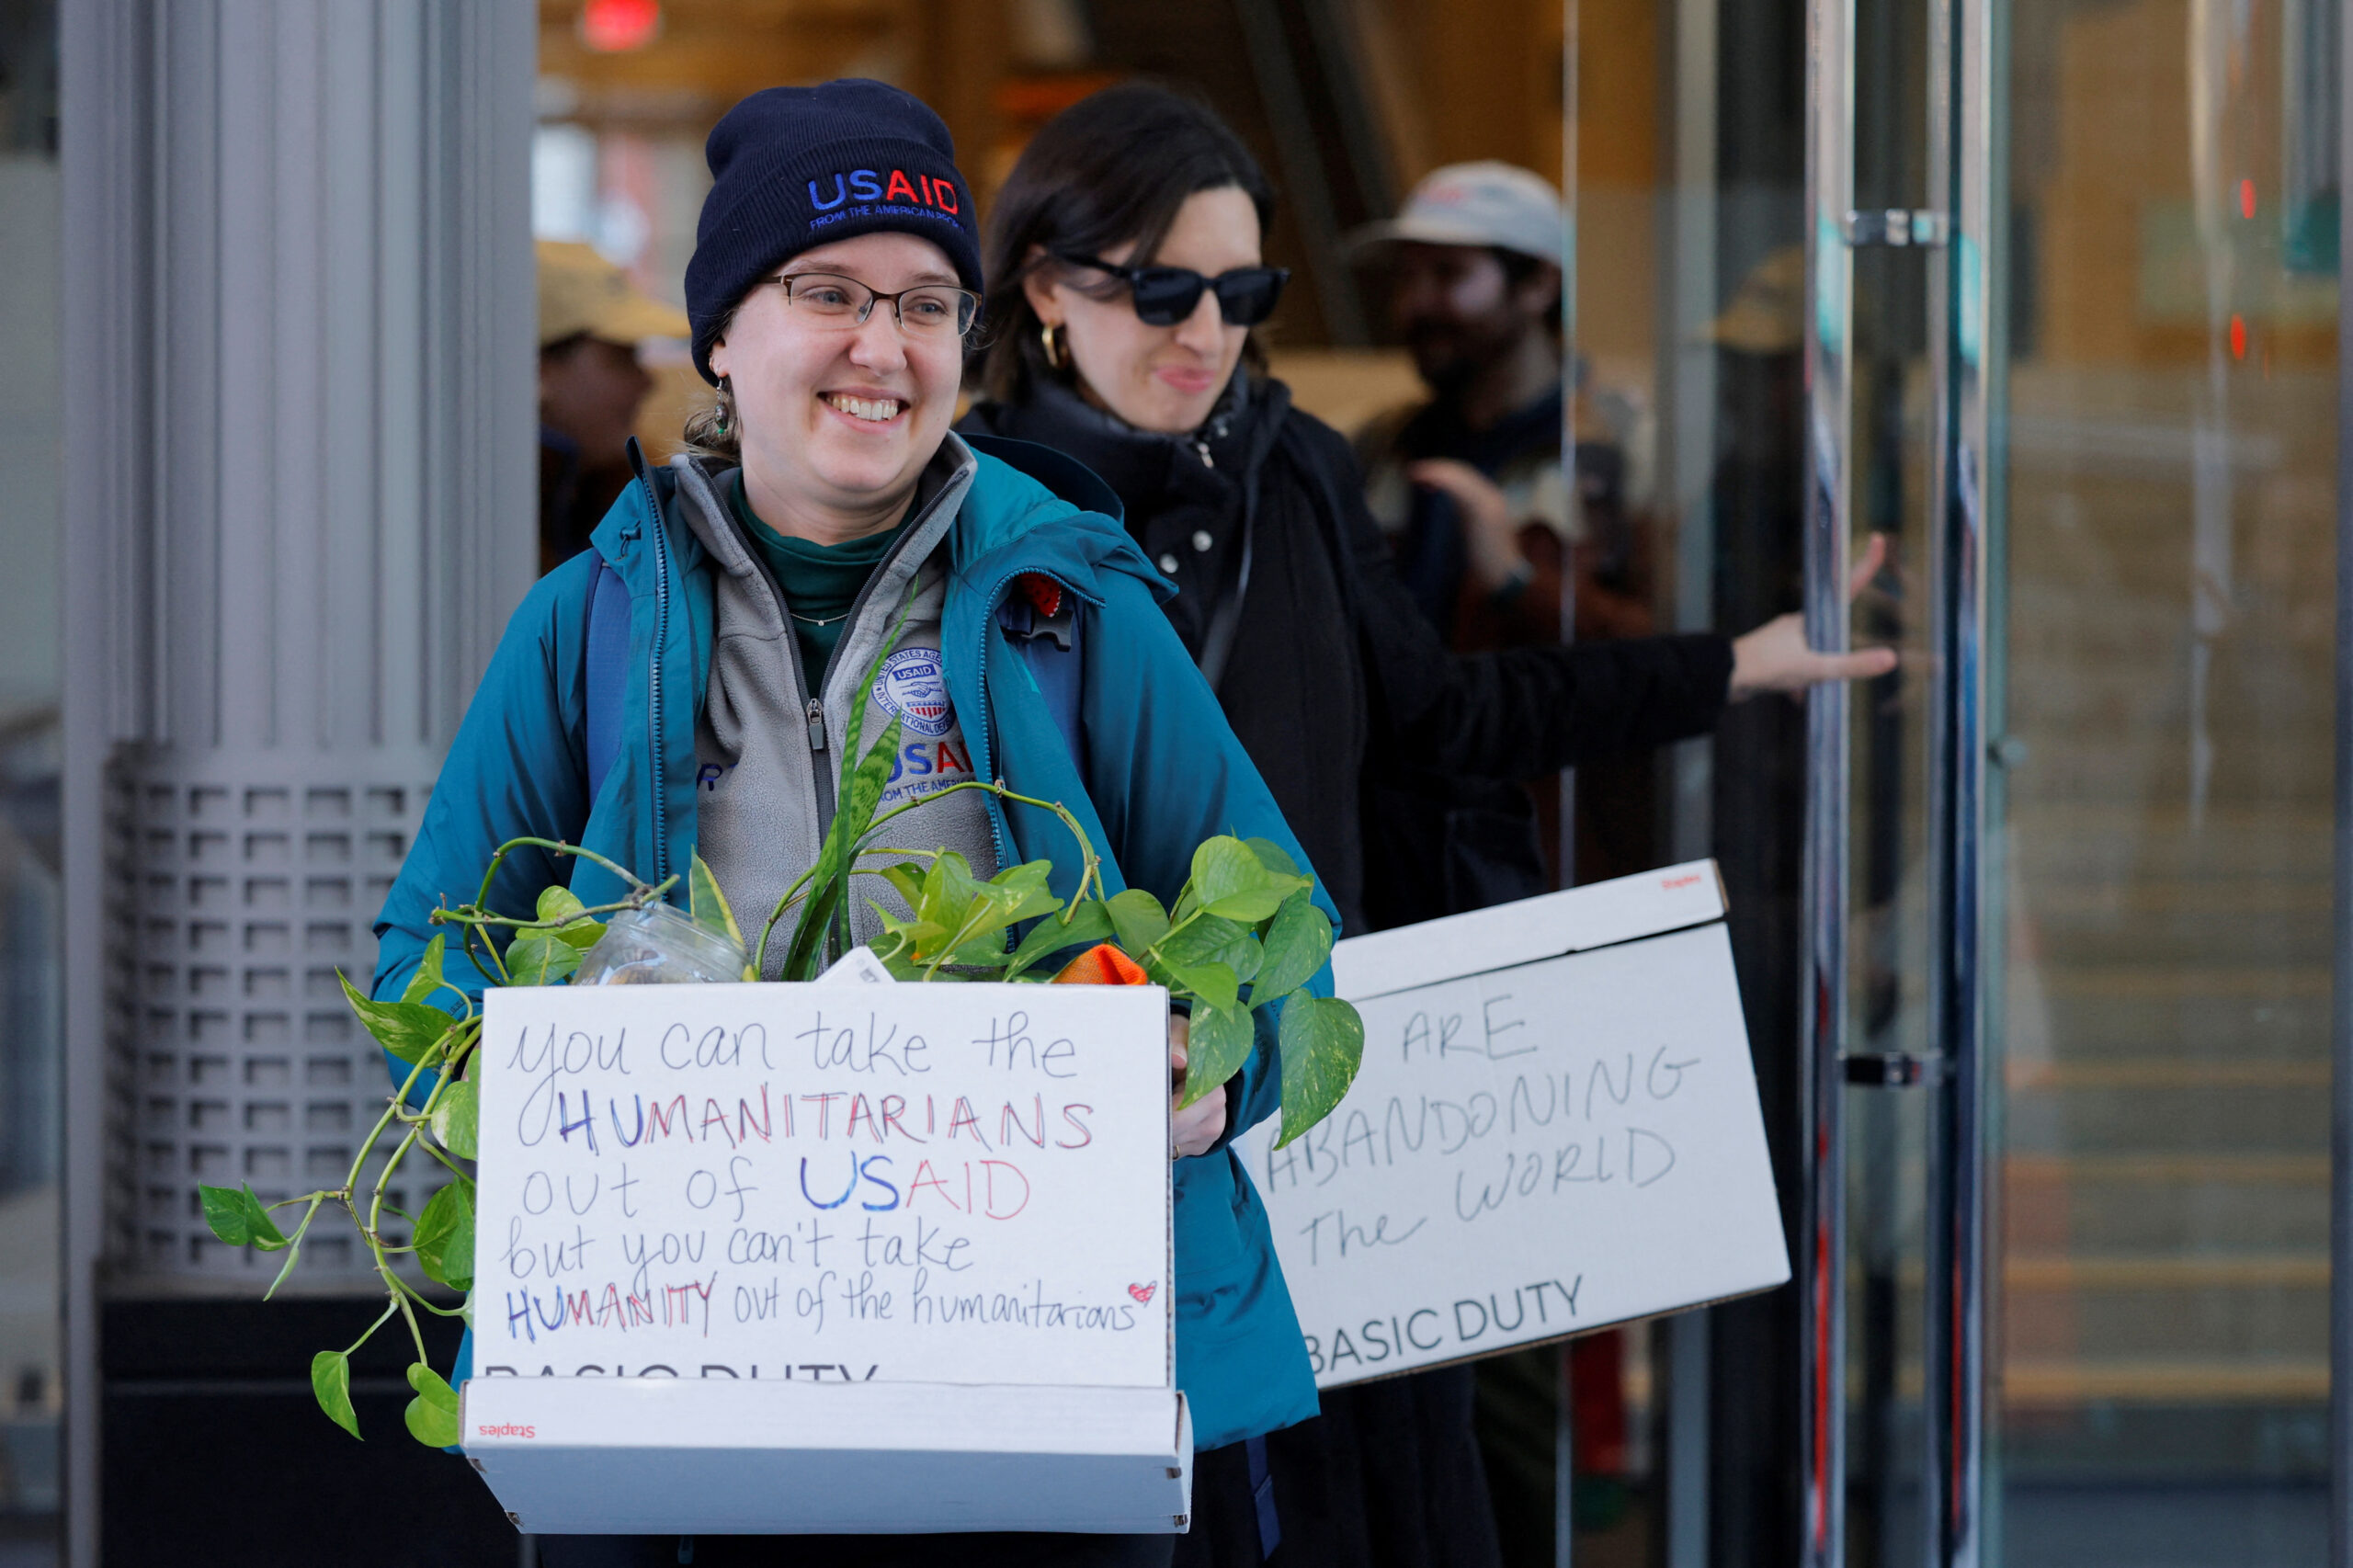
point(1820, 1265)
point(2340, 1138)
point(296, 325)
point(1965, 364)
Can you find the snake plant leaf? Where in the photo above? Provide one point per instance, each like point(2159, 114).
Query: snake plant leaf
point(707, 904)
point(860, 793)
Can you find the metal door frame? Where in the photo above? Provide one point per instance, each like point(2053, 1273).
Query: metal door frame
point(1961, 236)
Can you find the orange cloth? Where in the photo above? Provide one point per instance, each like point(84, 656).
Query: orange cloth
point(1102, 964)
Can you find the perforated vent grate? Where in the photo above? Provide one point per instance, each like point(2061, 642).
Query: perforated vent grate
point(244, 1063)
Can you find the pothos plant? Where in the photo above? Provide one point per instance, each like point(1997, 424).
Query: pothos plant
point(1243, 938)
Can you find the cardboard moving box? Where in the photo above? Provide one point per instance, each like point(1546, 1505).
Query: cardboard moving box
point(1555, 1129)
point(826, 1258)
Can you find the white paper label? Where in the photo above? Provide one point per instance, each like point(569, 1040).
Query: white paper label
point(938, 1183)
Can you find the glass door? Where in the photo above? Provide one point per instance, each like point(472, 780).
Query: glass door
point(2070, 868)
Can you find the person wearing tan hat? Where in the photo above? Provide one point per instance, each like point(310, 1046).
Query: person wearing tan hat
point(591, 386)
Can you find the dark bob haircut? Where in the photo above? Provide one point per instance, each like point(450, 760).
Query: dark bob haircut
point(1113, 167)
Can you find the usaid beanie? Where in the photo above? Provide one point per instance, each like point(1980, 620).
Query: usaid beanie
point(793, 167)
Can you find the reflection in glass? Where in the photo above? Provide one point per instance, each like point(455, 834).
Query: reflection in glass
point(32, 1394)
point(2162, 1364)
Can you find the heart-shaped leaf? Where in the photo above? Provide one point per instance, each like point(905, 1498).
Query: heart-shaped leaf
point(1296, 946)
point(407, 1029)
point(541, 958)
point(573, 925)
point(457, 1119)
point(1138, 918)
point(432, 1416)
point(1090, 923)
point(238, 1218)
point(330, 1383)
point(906, 881)
point(948, 891)
point(444, 1237)
point(1211, 984)
point(1273, 856)
point(1323, 1042)
point(428, 978)
point(1217, 1043)
point(1229, 879)
point(1213, 940)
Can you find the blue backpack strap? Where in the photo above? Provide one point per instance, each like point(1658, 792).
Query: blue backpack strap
point(606, 660)
point(1262, 1495)
point(1049, 645)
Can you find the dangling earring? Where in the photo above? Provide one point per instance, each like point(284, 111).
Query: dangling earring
point(726, 409)
point(1049, 339)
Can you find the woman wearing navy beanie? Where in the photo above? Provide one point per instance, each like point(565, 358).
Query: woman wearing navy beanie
point(834, 286)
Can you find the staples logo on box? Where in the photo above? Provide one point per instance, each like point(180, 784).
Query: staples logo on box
point(506, 1429)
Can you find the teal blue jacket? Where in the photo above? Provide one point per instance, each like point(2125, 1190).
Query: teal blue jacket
point(1165, 772)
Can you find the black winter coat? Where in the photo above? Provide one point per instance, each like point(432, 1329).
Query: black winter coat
point(1341, 691)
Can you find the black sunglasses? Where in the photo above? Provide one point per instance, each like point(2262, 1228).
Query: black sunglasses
point(1166, 295)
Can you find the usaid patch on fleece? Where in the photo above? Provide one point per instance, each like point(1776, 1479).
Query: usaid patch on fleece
point(912, 688)
point(796, 167)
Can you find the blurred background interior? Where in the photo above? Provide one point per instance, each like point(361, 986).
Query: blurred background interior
point(2160, 346)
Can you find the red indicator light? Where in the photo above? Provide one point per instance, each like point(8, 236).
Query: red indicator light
point(615, 27)
point(2246, 198)
point(2238, 337)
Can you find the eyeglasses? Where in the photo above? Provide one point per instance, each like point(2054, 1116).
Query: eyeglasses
point(1166, 295)
point(834, 303)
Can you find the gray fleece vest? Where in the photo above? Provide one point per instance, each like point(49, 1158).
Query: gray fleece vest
point(769, 758)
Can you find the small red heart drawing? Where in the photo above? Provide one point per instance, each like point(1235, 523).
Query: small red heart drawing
point(1143, 1293)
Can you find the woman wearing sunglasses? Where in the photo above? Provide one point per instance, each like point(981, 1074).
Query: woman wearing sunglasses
point(1125, 273)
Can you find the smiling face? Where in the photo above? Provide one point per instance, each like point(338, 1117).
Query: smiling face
point(837, 422)
point(1157, 377)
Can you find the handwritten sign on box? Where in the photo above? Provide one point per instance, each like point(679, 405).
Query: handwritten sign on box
point(944, 1183)
point(1555, 1128)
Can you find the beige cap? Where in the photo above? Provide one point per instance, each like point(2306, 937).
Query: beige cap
point(1477, 204)
point(580, 292)
point(1767, 314)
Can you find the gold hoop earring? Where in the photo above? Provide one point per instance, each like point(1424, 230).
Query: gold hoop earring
point(1049, 339)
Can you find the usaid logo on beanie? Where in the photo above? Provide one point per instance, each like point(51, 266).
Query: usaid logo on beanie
point(793, 167)
point(866, 185)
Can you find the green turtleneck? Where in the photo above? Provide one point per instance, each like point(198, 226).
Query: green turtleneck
point(820, 582)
